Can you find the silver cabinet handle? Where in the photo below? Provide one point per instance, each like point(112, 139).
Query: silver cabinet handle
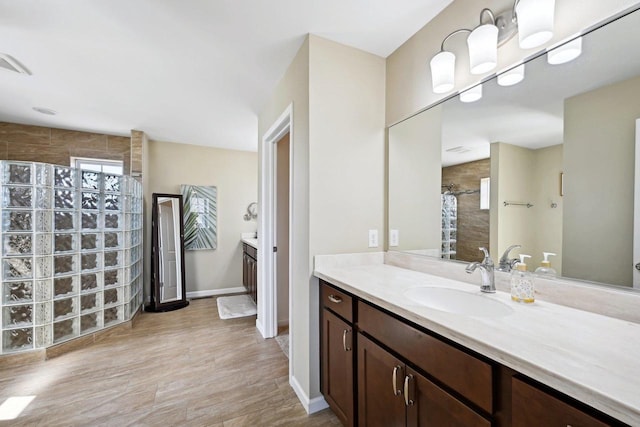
point(407, 401)
point(394, 378)
point(344, 340)
point(335, 299)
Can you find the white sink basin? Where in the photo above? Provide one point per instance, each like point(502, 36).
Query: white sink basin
point(458, 302)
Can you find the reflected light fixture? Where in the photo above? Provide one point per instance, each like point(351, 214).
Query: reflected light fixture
point(565, 52)
point(512, 76)
point(532, 19)
point(471, 95)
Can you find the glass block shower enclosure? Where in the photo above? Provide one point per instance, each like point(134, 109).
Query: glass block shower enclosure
point(71, 253)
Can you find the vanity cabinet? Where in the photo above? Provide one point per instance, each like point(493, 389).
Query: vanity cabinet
point(396, 382)
point(534, 407)
point(392, 393)
point(337, 349)
point(379, 369)
point(250, 270)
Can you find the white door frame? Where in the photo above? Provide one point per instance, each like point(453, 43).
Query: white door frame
point(267, 320)
point(636, 210)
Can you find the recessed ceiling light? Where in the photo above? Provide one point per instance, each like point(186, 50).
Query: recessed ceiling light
point(47, 111)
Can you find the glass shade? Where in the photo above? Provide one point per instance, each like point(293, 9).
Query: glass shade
point(512, 76)
point(566, 52)
point(471, 95)
point(535, 22)
point(483, 49)
point(443, 71)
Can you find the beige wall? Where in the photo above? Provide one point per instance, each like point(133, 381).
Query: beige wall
point(408, 83)
point(599, 131)
point(415, 152)
point(234, 173)
point(346, 154)
point(528, 176)
point(293, 89)
point(548, 220)
point(338, 172)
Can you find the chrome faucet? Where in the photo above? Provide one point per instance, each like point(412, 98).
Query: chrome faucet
point(486, 272)
point(506, 263)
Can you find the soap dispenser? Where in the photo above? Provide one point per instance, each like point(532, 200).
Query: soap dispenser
point(522, 282)
point(545, 269)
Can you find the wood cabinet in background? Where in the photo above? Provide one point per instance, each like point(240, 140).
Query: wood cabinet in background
point(250, 270)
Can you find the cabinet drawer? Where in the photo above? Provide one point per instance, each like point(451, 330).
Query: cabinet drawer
point(336, 301)
point(534, 407)
point(250, 250)
point(462, 372)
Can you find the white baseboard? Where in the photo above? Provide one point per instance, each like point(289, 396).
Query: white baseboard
point(283, 322)
point(310, 405)
point(260, 327)
point(214, 292)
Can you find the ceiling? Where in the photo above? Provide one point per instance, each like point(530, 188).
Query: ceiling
point(190, 71)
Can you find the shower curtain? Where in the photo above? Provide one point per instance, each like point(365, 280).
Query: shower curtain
point(449, 225)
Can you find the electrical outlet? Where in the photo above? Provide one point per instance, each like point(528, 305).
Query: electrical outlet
point(394, 238)
point(373, 238)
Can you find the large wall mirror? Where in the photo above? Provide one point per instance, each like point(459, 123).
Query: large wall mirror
point(167, 258)
point(559, 151)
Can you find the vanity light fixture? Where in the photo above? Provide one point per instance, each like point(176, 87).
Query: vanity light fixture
point(512, 76)
point(532, 19)
point(471, 95)
point(565, 52)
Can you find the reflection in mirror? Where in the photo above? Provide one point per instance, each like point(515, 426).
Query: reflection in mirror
point(559, 149)
point(167, 262)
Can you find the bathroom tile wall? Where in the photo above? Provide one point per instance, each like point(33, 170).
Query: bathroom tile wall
point(56, 146)
point(473, 223)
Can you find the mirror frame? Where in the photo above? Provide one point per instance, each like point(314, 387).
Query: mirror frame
point(156, 305)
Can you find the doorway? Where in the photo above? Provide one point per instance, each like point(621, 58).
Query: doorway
point(276, 305)
point(281, 228)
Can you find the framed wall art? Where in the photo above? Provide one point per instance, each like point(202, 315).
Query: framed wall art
point(200, 217)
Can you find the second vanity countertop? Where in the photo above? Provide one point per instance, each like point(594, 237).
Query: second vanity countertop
point(251, 241)
point(593, 358)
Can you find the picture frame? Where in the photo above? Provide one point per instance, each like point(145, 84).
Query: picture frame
point(200, 217)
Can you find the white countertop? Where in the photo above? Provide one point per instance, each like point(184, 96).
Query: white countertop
point(593, 358)
point(250, 241)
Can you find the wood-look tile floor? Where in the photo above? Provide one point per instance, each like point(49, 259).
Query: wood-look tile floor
point(182, 368)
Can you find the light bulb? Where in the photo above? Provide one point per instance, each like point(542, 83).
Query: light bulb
point(443, 71)
point(471, 95)
point(535, 22)
point(512, 76)
point(565, 53)
point(483, 49)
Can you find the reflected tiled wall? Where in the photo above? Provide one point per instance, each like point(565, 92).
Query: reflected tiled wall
point(71, 253)
point(57, 146)
point(473, 223)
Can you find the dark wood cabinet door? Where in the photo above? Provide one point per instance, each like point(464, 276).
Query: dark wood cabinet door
point(337, 366)
point(430, 406)
point(380, 400)
point(533, 407)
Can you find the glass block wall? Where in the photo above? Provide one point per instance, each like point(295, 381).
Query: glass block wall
point(71, 253)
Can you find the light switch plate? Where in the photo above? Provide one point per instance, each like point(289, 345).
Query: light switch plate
point(373, 238)
point(394, 238)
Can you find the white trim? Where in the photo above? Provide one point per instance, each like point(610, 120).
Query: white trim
point(214, 292)
point(267, 319)
point(310, 405)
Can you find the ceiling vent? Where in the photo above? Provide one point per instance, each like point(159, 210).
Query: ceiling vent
point(459, 149)
point(11, 64)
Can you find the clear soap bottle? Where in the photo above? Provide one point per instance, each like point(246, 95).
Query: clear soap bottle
point(522, 288)
point(545, 269)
